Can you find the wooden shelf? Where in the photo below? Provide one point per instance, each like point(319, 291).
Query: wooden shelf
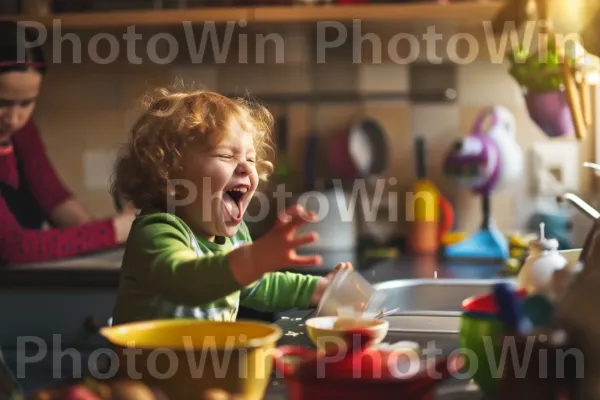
point(115, 19)
point(461, 13)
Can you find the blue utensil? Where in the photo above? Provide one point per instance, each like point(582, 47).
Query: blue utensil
point(510, 309)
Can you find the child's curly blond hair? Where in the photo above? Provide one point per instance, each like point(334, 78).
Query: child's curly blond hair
point(172, 121)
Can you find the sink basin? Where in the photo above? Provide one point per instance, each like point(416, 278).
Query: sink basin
point(431, 305)
point(434, 295)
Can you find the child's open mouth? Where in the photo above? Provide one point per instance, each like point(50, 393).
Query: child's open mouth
point(233, 200)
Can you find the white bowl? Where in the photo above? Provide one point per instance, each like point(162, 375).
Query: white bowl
point(326, 331)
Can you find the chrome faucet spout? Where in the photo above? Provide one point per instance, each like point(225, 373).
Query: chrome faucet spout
point(580, 204)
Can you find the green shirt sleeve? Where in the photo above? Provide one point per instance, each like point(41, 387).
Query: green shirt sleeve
point(280, 291)
point(159, 256)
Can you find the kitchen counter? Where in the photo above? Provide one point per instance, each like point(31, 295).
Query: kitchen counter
point(101, 270)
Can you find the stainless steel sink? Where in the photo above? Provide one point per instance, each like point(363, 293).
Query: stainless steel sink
point(431, 305)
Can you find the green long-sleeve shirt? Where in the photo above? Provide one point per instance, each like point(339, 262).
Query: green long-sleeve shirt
point(168, 272)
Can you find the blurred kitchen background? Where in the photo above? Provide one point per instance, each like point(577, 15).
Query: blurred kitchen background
point(86, 108)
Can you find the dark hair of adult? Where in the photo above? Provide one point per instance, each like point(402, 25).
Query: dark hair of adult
point(14, 55)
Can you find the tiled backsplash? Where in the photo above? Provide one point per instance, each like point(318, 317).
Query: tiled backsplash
point(86, 109)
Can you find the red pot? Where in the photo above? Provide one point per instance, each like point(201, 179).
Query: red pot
point(359, 150)
point(359, 373)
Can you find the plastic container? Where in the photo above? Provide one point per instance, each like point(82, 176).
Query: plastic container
point(351, 295)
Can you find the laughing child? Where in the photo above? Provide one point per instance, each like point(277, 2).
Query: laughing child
point(191, 167)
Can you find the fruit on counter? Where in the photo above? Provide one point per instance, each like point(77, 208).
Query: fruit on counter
point(131, 390)
point(219, 394)
point(80, 392)
point(89, 389)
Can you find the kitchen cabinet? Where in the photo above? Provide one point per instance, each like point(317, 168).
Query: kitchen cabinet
point(55, 317)
point(49, 334)
point(460, 13)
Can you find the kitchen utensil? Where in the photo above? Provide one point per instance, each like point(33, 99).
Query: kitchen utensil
point(486, 160)
point(359, 150)
point(329, 332)
point(351, 295)
point(201, 355)
point(283, 170)
point(310, 157)
point(433, 213)
point(574, 99)
point(386, 313)
point(360, 371)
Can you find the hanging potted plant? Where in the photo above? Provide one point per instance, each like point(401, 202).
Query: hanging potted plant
point(542, 78)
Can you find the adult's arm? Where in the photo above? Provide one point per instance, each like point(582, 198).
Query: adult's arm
point(55, 199)
point(22, 246)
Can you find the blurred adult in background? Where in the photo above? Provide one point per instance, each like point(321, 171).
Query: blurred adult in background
point(31, 193)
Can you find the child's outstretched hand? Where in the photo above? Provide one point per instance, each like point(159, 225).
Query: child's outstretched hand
point(278, 246)
point(325, 281)
point(276, 250)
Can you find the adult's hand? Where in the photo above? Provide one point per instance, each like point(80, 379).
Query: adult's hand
point(70, 213)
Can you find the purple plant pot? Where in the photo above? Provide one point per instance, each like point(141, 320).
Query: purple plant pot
point(550, 111)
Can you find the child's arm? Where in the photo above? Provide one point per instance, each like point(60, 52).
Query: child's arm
point(159, 256)
point(281, 291)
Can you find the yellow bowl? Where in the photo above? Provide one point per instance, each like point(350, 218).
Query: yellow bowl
point(186, 357)
point(326, 332)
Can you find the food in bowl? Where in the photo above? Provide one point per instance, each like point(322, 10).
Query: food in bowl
point(327, 332)
point(352, 323)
